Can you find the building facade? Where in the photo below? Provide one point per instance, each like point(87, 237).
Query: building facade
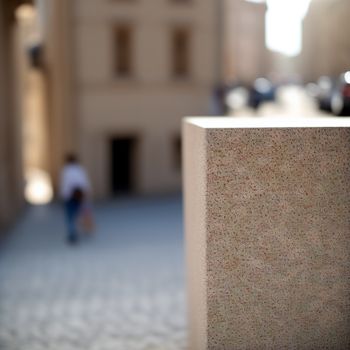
point(245, 56)
point(326, 46)
point(123, 74)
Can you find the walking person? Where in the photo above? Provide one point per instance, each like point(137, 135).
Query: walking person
point(74, 190)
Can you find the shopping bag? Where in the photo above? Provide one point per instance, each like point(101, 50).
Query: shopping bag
point(87, 222)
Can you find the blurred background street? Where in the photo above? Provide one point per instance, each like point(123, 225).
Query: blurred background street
point(291, 101)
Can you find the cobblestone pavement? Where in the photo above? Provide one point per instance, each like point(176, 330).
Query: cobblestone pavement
point(120, 289)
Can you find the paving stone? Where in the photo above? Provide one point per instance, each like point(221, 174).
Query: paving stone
point(123, 288)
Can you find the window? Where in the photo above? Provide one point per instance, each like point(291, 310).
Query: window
point(181, 52)
point(123, 51)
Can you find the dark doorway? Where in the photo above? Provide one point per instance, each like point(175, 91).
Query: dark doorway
point(122, 164)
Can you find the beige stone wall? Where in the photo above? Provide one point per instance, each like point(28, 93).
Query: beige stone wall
point(3, 124)
point(245, 56)
point(340, 27)
point(267, 233)
point(151, 103)
point(11, 181)
point(154, 118)
point(31, 86)
point(326, 48)
point(63, 132)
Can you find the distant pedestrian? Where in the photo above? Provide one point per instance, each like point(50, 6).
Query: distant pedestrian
point(74, 190)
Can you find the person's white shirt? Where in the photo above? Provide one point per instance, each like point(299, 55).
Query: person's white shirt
point(73, 176)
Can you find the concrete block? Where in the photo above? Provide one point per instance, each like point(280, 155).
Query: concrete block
point(267, 221)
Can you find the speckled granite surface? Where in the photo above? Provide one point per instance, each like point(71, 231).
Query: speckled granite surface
point(276, 235)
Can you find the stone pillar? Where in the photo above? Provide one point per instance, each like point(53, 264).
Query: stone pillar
point(3, 119)
point(267, 219)
point(59, 58)
point(11, 181)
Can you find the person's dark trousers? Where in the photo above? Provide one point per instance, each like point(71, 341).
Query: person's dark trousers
point(72, 208)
